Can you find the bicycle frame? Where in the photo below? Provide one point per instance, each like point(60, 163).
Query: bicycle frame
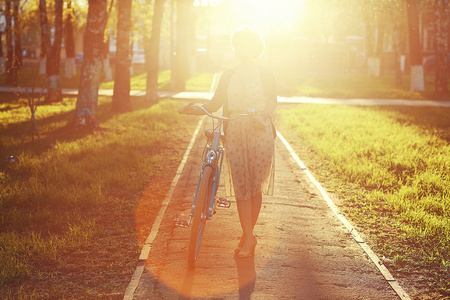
point(212, 156)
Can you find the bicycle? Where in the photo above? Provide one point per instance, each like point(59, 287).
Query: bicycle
point(205, 200)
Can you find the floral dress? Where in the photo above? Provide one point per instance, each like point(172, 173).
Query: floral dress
point(249, 145)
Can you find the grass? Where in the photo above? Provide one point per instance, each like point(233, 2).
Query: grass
point(71, 209)
point(351, 86)
point(139, 80)
point(391, 165)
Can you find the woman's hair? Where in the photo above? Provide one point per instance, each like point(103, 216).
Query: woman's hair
point(248, 38)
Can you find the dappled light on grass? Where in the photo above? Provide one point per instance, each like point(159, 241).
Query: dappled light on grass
point(391, 166)
point(139, 80)
point(345, 86)
point(68, 205)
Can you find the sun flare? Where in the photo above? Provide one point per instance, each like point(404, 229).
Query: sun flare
point(265, 14)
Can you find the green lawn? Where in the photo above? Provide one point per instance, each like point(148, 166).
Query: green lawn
point(391, 166)
point(347, 86)
point(73, 202)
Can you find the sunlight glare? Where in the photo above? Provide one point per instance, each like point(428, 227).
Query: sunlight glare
point(265, 14)
point(207, 2)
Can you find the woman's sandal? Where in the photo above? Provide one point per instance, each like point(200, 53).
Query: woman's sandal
point(245, 254)
point(239, 246)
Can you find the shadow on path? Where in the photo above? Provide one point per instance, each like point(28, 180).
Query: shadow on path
point(246, 276)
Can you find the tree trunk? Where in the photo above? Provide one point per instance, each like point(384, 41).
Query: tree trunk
point(380, 44)
point(415, 52)
point(17, 43)
point(441, 47)
point(396, 37)
point(105, 60)
point(11, 71)
point(87, 100)
point(70, 66)
point(2, 58)
point(403, 38)
point(1, 45)
point(45, 36)
point(121, 99)
point(372, 60)
point(54, 92)
point(105, 50)
point(152, 53)
point(183, 47)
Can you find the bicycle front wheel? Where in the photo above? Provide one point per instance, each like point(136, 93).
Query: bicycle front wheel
point(200, 214)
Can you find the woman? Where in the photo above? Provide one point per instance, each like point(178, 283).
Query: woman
point(250, 141)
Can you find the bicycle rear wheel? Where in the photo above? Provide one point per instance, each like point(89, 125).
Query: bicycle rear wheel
point(200, 214)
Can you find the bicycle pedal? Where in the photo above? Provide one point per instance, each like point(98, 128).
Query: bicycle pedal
point(223, 202)
point(181, 223)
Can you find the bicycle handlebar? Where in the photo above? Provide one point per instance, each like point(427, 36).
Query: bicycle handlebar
point(250, 113)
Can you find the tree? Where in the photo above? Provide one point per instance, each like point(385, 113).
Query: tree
point(105, 59)
point(54, 92)
point(121, 97)
point(69, 42)
point(441, 26)
point(51, 53)
point(17, 32)
point(87, 100)
point(29, 22)
point(377, 23)
point(152, 53)
point(11, 70)
point(415, 51)
point(2, 58)
point(398, 37)
point(183, 46)
point(45, 35)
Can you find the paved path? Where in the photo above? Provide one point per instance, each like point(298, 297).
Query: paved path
point(202, 97)
point(303, 251)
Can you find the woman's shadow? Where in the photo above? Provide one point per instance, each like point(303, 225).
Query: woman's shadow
point(246, 276)
point(246, 279)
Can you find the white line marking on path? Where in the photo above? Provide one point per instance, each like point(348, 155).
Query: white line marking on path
point(378, 263)
point(131, 288)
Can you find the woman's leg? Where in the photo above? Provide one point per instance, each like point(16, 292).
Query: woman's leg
point(248, 215)
point(249, 210)
point(256, 208)
point(246, 218)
